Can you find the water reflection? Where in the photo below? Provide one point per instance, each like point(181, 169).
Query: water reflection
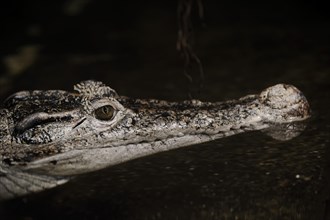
point(285, 131)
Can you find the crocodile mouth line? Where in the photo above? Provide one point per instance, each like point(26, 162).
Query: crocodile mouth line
point(44, 134)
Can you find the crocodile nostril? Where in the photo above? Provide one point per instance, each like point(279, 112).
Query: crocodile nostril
point(287, 99)
point(281, 96)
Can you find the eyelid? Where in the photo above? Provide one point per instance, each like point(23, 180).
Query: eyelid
point(112, 102)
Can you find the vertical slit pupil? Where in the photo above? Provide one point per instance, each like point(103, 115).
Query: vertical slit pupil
point(105, 113)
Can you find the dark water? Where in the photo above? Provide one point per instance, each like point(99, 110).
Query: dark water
point(244, 48)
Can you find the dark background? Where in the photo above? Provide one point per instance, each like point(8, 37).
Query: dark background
point(244, 47)
point(125, 42)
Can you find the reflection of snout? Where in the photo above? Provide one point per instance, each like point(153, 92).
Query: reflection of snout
point(286, 131)
point(287, 100)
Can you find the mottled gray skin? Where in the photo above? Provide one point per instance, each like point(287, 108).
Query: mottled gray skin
point(47, 135)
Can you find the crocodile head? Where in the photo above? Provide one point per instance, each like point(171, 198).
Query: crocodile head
point(65, 133)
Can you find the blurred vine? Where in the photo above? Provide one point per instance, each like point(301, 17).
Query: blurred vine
point(185, 41)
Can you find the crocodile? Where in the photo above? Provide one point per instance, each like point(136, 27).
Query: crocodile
point(48, 137)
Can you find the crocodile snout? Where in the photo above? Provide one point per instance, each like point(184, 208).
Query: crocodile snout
point(286, 98)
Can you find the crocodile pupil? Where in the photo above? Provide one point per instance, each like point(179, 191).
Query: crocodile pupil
point(105, 113)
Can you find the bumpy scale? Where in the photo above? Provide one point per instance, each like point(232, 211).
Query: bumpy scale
point(48, 136)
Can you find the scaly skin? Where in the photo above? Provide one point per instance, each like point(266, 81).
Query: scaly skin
point(57, 133)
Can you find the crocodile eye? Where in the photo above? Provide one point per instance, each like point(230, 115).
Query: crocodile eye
point(105, 113)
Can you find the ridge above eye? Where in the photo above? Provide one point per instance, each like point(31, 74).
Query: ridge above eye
point(104, 113)
point(39, 118)
point(31, 121)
